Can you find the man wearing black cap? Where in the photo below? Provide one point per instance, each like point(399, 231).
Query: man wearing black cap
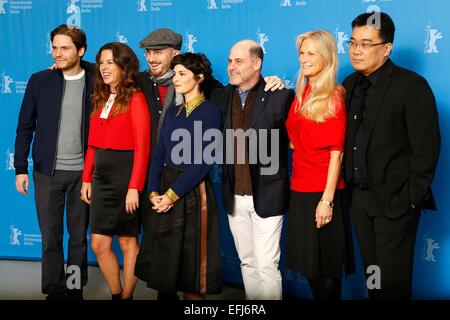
point(160, 47)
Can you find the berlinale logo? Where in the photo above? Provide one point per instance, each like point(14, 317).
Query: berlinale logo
point(49, 44)
point(212, 5)
point(2, 8)
point(75, 13)
point(141, 6)
point(433, 35)
point(14, 236)
point(289, 84)
point(341, 38)
point(262, 39)
point(9, 160)
point(121, 38)
point(191, 39)
point(429, 246)
point(6, 83)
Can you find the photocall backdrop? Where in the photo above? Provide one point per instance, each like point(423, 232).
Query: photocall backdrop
point(212, 27)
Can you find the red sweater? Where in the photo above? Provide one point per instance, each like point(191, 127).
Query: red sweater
point(125, 131)
point(313, 143)
point(163, 93)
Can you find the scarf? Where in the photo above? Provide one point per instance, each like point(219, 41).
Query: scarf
point(172, 98)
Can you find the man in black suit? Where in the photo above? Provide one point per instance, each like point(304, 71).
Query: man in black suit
point(391, 152)
point(255, 191)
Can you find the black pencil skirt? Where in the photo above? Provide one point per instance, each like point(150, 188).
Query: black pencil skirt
point(112, 173)
point(319, 253)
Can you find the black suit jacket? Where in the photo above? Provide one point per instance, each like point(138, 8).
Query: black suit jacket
point(270, 192)
point(402, 140)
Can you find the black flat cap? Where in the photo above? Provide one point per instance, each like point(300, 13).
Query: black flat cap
point(162, 38)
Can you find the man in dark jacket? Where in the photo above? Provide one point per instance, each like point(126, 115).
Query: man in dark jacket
point(55, 111)
point(390, 157)
point(255, 193)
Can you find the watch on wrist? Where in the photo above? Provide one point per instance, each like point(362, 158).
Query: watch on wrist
point(328, 203)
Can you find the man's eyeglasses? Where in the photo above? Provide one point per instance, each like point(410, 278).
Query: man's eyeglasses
point(364, 45)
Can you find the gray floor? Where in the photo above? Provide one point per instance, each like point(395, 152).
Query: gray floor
point(21, 280)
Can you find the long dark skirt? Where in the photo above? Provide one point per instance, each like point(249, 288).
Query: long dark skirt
point(318, 253)
point(112, 173)
point(180, 250)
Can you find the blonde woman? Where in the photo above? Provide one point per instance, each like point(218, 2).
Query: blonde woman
point(319, 235)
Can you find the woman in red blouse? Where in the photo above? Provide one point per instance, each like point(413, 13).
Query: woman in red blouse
point(319, 234)
point(115, 167)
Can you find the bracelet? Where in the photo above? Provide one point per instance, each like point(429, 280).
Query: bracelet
point(328, 203)
point(172, 195)
point(153, 194)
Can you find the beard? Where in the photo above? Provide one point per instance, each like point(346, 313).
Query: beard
point(66, 64)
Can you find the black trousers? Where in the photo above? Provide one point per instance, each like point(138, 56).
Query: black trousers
point(386, 243)
point(52, 195)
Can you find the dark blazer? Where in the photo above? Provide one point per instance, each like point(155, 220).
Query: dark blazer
point(40, 116)
point(151, 93)
point(270, 192)
point(403, 140)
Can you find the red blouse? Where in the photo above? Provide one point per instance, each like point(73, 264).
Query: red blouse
point(125, 131)
point(313, 143)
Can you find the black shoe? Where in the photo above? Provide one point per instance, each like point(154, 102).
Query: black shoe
point(116, 297)
point(61, 296)
point(75, 295)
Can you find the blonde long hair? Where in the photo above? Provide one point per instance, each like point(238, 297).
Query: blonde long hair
point(320, 103)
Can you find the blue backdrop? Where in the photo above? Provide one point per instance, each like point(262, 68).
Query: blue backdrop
point(212, 26)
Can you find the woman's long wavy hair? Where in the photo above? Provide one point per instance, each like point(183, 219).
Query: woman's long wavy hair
point(320, 103)
point(128, 63)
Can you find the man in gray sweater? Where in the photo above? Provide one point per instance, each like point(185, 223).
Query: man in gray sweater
point(55, 112)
